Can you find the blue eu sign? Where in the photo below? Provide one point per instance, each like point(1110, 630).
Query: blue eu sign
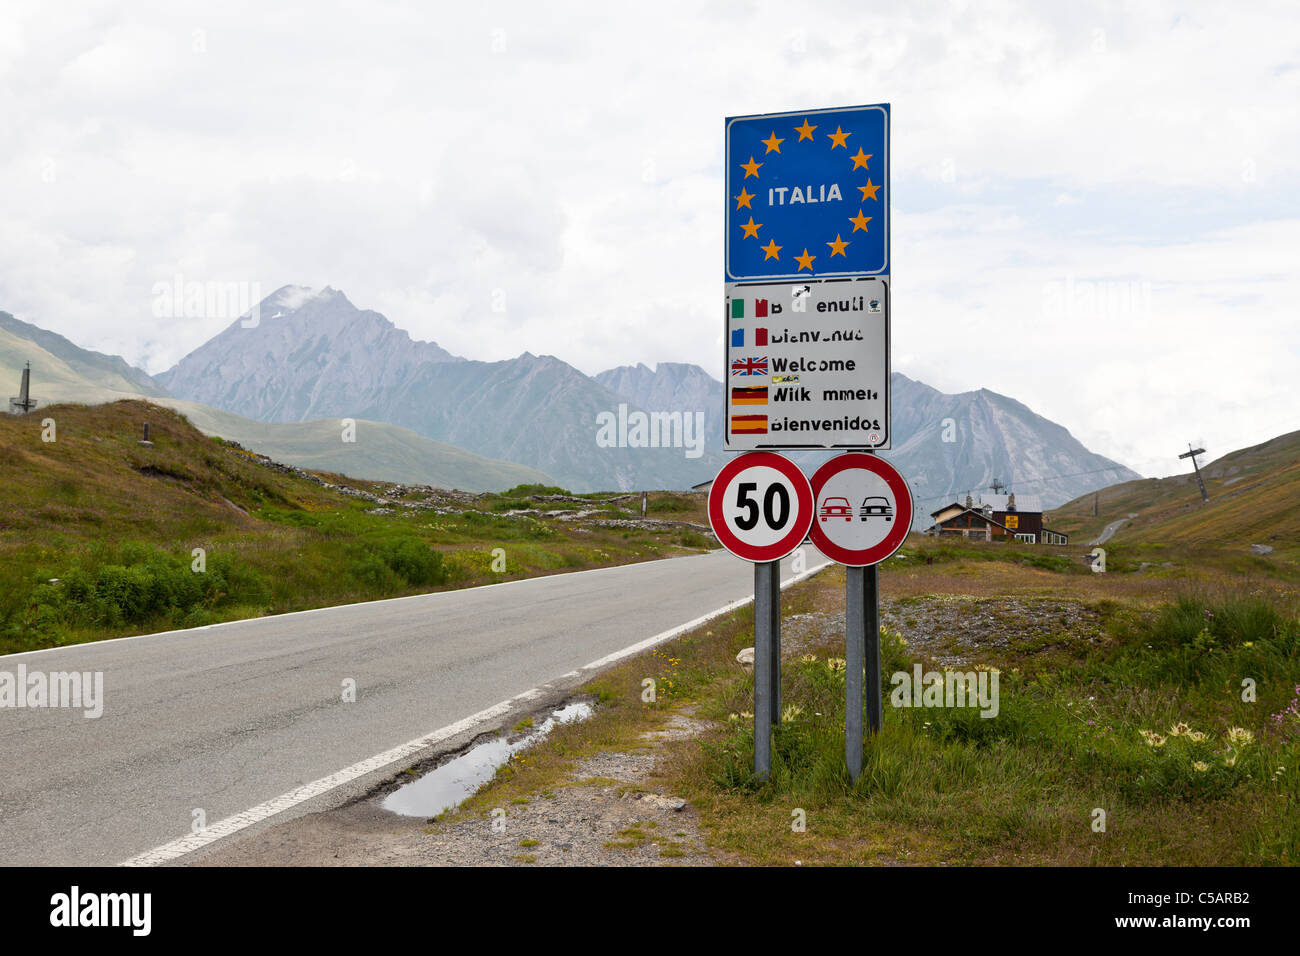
point(808, 194)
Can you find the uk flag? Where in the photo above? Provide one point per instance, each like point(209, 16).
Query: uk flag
point(749, 366)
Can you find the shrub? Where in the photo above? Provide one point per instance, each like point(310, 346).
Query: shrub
point(397, 561)
point(526, 491)
point(669, 503)
point(145, 585)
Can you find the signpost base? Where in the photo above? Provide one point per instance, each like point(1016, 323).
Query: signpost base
point(875, 704)
point(767, 662)
point(854, 666)
point(861, 662)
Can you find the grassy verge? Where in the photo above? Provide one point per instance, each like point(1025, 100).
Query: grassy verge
point(102, 537)
point(1145, 723)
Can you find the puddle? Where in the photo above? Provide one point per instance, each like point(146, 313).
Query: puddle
point(445, 787)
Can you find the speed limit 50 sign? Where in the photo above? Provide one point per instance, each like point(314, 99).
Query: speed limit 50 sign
point(760, 506)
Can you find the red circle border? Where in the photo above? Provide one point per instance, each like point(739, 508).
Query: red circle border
point(902, 498)
point(805, 501)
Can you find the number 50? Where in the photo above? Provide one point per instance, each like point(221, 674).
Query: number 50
point(776, 506)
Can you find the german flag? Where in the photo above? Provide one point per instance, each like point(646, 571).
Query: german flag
point(749, 424)
point(755, 395)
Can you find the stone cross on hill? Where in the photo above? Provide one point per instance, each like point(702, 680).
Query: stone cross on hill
point(24, 403)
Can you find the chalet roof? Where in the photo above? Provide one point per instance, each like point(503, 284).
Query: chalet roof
point(1024, 503)
point(1030, 503)
point(983, 516)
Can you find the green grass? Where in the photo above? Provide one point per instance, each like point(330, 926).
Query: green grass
point(1131, 711)
point(97, 533)
point(1141, 731)
point(924, 550)
point(1252, 495)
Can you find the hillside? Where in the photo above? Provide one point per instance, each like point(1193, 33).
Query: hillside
point(992, 437)
point(424, 415)
point(316, 355)
point(1253, 494)
point(300, 361)
point(62, 372)
point(68, 364)
point(97, 531)
point(381, 452)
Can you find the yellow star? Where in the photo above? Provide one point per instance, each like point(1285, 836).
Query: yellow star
point(869, 191)
point(770, 250)
point(838, 138)
point(837, 247)
point(751, 228)
point(804, 131)
point(805, 261)
point(772, 143)
point(750, 168)
point(860, 160)
point(744, 198)
point(859, 221)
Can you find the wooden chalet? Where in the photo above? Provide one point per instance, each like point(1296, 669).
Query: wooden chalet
point(996, 518)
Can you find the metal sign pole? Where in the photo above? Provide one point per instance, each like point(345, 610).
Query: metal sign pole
point(763, 710)
point(855, 620)
point(774, 583)
point(871, 602)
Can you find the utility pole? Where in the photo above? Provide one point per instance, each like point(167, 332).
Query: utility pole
point(997, 487)
point(1094, 503)
point(1192, 453)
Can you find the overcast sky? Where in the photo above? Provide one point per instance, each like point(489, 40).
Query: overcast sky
point(1094, 205)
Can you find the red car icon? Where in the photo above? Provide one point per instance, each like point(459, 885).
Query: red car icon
point(837, 508)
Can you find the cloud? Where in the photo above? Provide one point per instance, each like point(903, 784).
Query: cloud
point(510, 178)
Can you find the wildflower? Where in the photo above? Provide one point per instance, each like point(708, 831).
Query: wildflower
point(1247, 643)
point(1196, 736)
point(1230, 760)
point(835, 663)
point(1152, 738)
point(746, 715)
point(1179, 730)
point(809, 658)
point(792, 712)
point(1200, 766)
point(733, 717)
point(1240, 736)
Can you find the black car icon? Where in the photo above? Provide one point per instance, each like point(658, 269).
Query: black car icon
point(877, 508)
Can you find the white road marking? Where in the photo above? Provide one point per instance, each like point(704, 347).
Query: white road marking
point(66, 648)
point(233, 824)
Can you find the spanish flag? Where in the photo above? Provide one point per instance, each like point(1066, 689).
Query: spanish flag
point(749, 424)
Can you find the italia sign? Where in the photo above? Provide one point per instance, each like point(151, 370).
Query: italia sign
point(806, 270)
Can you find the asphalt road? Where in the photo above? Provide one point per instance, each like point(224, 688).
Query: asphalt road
point(227, 717)
point(1109, 531)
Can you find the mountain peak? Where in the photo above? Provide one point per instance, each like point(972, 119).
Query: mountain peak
point(272, 368)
